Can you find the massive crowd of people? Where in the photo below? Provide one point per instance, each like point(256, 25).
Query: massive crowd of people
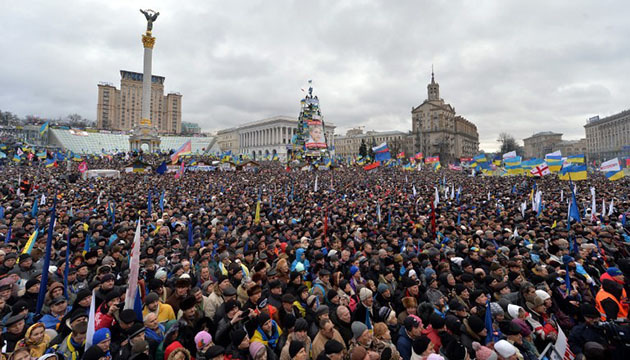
point(387, 264)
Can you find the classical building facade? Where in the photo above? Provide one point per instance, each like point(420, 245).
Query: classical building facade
point(122, 109)
point(397, 141)
point(572, 147)
point(545, 142)
point(608, 137)
point(267, 137)
point(437, 130)
point(541, 143)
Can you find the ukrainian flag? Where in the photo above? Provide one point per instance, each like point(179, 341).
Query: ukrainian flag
point(554, 165)
point(50, 163)
point(437, 166)
point(573, 172)
point(614, 175)
point(480, 158)
point(43, 129)
point(576, 159)
point(41, 155)
point(17, 158)
point(31, 241)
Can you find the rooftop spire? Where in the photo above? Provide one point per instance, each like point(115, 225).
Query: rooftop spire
point(432, 75)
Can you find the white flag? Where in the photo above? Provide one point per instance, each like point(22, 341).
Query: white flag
point(91, 322)
point(603, 207)
point(523, 208)
point(610, 165)
point(453, 192)
point(315, 188)
point(134, 268)
point(413, 188)
point(406, 180)
point(446, 189)
point(488, 195)
point(593, 205)
point(509, 155)
point(98, 199)
point(42, 200)
point(561, 195)
point(437, 198)
point(611, 207)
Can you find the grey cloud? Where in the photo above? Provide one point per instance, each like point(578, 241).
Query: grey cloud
point(506, 66)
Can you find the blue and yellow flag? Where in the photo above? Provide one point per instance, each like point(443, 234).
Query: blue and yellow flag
point(43, 129)
point(615, 175)
point(573, 172)
point(31, 241)
point(50, 163)
point(576, 159)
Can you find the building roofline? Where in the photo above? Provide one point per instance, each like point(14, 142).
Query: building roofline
point(608, 118)
point(542, 133)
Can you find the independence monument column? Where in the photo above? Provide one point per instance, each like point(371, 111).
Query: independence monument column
point(144, 133)
point(147, 41)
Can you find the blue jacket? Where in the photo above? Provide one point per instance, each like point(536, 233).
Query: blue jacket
point(404, 344)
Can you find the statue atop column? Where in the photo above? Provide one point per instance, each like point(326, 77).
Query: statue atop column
point(151, 16)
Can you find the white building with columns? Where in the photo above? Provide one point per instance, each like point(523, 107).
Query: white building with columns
point(266, 137)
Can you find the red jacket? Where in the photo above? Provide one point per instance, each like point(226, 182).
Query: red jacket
point(102, 320)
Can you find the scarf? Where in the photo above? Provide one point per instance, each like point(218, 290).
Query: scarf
point(273, 340)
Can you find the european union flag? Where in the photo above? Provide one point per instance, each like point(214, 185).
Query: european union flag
point(162, 168)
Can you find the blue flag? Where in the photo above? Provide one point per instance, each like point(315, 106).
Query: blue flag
point(491, 336)
point(67, 267)
point(567, 279)
point(162, 168)
point(137, 305)
point(574, 213)
point(42, 290)
point(190, 233)
point(34, 211)
point(149, 204)
point(7, 237)
point(1, 212)
point(162, 202)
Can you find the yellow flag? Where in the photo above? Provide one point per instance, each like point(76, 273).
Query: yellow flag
point(29, 244)
point(554, 224)
point(86, 227)
point(257, 217)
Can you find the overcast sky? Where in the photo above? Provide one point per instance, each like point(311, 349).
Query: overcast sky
point(512, 66)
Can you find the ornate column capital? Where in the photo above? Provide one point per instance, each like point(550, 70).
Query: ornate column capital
point(147, 40)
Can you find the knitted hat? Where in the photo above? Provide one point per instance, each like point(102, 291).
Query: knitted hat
point(358, 328)
point(420, 345)
point(613, 271)
point(384, 312)
point(93, 353)
point(202, 339)
point(504, 349)
point(238, 336)
point(255, 347)
point(365, 294)
point(262, 319)
point(483, 353)
point(476, 324)
point(333, 347)
point(101, 335)
point(151, 298)
point(301, 325)
point(295, 347)
point(382, 288)
point(589, 311)
point(455, 350)
point(496, 309)
point(353, 269)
